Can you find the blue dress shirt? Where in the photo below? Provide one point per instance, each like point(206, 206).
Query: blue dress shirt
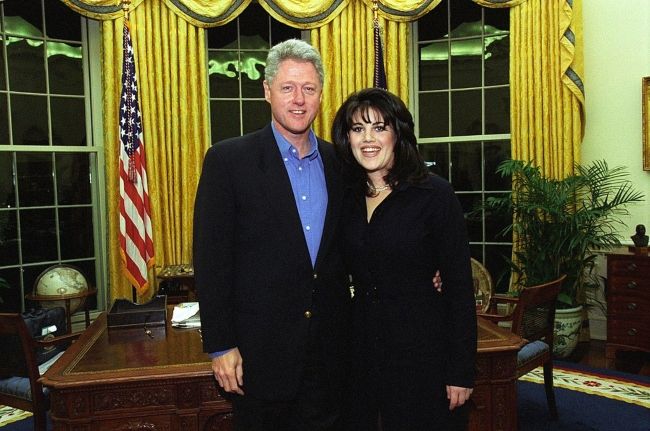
point(307, 177)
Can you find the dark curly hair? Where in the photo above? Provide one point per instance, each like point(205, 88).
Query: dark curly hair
point(408, 166)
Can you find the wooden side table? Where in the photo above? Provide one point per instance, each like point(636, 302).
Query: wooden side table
point(628, 303)
point(67, 300)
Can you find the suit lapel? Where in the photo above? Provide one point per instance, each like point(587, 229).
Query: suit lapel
point(334, 198)
point(275, 182)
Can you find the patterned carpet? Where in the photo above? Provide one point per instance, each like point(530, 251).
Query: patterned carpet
point(9, 415)
point(614, 387)
point(602, 407)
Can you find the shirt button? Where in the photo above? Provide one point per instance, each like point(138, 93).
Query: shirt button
point(300, 168)
point(315, 276)
point(304, 198)
point(307, 314)
point(286, 159)
point(308, 227)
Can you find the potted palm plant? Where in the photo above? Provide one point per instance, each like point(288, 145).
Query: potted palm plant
point(559, 225)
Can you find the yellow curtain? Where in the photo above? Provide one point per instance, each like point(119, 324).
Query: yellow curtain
point(346, 44)
point(547, 95)
point(170, 59)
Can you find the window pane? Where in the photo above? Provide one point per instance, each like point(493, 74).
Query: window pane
point(3, 81)
point(7, 192)
point(468, 202)
point(32, 274)
point(4, 120)
point(26, 65)
point(255, 114)
point(8, 238)
point(223, 36)
point(223, 73)
point(494, 225)
point(436, 157)
point(494, 153)
point(29, 129)
point(497, 60)
point(461, 14)
point(434, 71)
point(466, 63)
point(252, 73)
point(496, 20)
point(497, 109)
point(495, 260)
point(64, 131)
point(466, 166)
point(23, 18)
point(38, 232)
point(62, 22)
point(224, 119)
point(434, 115)
point(434, 24)
point(254, 28)
point(466, 112)
point(12, 294)
point(280, 32)
point(72, 178)
point(65, 68)
point(35, 185)
point(76, 232)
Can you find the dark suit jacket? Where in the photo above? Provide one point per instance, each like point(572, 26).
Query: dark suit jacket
point(253, 273)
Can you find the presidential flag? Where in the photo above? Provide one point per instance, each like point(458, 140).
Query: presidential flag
point(379, 79)
point(135, 216)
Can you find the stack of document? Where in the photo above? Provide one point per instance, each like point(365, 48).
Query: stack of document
point(186, 315)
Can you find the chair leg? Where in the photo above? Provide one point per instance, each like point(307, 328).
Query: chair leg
point(548, 385)
point(40, 421)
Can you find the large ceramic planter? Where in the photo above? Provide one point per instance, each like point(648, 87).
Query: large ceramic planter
point(567, 331)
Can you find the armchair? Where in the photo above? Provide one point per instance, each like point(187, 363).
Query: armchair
point(19, 370)
point(532, 319)
point(482, 285)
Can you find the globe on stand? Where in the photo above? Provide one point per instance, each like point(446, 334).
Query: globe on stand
point(61, 280)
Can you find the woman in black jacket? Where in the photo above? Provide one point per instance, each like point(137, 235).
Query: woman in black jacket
point(413, 347)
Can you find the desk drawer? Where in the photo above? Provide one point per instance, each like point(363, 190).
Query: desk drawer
point(631, 266)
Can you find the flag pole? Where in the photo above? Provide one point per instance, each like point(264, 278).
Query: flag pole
point(379, 78)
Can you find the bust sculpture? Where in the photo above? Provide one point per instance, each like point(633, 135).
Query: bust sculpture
point(640, 239)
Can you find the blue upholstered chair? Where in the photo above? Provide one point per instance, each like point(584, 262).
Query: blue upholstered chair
point(532, 319)
point(19, 368)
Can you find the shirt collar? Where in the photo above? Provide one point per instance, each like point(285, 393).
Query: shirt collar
point(286, 147)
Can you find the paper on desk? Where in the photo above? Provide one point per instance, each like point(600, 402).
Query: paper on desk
point(186, 315)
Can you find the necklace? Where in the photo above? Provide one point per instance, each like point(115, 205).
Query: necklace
point(377, 189)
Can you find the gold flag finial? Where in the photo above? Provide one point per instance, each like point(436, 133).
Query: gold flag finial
point(125, 7)
point(375, 8)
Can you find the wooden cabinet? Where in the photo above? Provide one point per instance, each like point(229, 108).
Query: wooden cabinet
point(628, 303)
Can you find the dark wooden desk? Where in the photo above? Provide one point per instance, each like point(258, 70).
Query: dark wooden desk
point(177, 282)
point(125, 380)
point(495, 393)
point(122, 379)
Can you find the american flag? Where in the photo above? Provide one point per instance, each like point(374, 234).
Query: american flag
point(135, 217)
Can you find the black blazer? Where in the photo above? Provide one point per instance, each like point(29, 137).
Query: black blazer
point(253, 273)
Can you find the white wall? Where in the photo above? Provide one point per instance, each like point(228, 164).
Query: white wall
point(617, 56)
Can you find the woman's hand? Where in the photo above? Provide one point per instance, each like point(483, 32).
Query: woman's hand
point(457, 396)
point(437, 281)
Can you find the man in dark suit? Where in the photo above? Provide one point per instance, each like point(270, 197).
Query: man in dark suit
point(271, 283)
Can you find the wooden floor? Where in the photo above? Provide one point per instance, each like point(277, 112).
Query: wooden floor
point(592, 354)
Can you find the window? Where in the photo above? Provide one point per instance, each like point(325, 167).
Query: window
point(462, 114)
point(47, 161)
point(236, 59)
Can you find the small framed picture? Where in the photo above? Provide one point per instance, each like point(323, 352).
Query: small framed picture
point(645, 109)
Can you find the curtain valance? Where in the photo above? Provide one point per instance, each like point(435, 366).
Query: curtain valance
point(304, 14)
point(498, 3)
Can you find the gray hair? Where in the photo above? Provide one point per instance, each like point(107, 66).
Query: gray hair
point(292, 49)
